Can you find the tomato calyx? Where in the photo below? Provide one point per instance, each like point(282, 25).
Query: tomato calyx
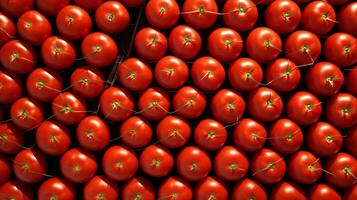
point(234, 167)
point(76, 167)
point(330, 80)
point(133, 74)
point(54, 139)
point(311, 166)
point(193, 167)
point(97, 49)
point(155, 162)
point(347, 49)
point(268, 167)
point(176, 133)
point(268, 44)
point(28, 24)
point(228, 42)
point(119, 165)
point(162, 10)
point(212, 197)
point(208, 74)
point(347, 170)
point(153, 40)
point(40, 83)
point(70, 19)
point(84, 81)
point(110, 16)
point(14, 56)
point(345, 111)
point(90, 134)
point(329, 138)
point(138, 196)
point(53, 197)
point(201, 9)
point(187, 39)
point(286, 16)
point(100, 196)
point(23, 114)
point(211, 134)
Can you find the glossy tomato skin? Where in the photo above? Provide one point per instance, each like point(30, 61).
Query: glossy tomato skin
point(11, 138)
point(11, 87)
point(138, 187)
point(154, 103)
point(185, 42)
point(133, 3)
point(17, 8)
point(8, 27)
point(30, 166)
point(136, 132)
point(150, 44)
point(341, 110)
point(241, 14)
point(341, 49)
point(350, 143)
point(225, 44)
point(119, 163)
point(318, 17)
point(26, 113)
point(16, 189)
point(6, 170)
point(69, 108)
point(249, 135)
point(304, 167)
point(162, 14)
point(210, 135)
point(287, 190)
point(248, 188)
point(189, 102)
point(211, 188)
point(351, 81)
point(321, 191)
point(56, 188)
point(87, 81)
point(89, 6)
point(112, 17)
point(346, 17)
point(156, 161)
point(135, 74)
point(200, 14)
point(51, 7)
point(101, 187)
point(175, 186)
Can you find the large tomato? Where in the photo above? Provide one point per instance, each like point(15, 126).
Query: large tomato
point(156, 161)
point(134, 74)
point(16, 8)
point(26, 113)
point(6, 169)
point(350, 143)
point(347, 19)
point(200, 14)
point(241, 15)
point(287, 190)
point(51, 7)
point(175, 187)
point(87, 81)
point(245, 74)
point(16, 190)
point(112, 17)
point(138, 188)
point(154, 103)
point(162, 13)
point(211, 188)
point(321, 191)
point(7, 29)
point(56, 188)
point(225, 44)
point(11, 139)
point(341, 110)
point(30, 166)
point(189, 102)
point(248, 189)
point(101, 187)
point(150, 44)
point(249, 135)
point(304, 167)
point(10, 87)
point(209, 134)
point(135, 132)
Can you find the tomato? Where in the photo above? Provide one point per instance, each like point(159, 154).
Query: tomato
point(241, 15)
point(53, 138)
point(200, 14)
point(73, 22)
point(351, 81)
point(30, 165)
point(16, 8)
point(26, 113)
point(150, 44)
point(350, 143)
point(78, 166)
point(185, 42)
point(112, 17)
point(132, 3)
point(210, 135)
point(7, 29)
point(10, 87)
point(6, 170)
point(16, 190)
point(69, 108)
point(304, 167)
point(135, 132)
point(173, 132)
point(321, 191)
point(283, 16)
point(193, 164)
point(11, 139)
point(116, 103)
point(154, 103)
point(303, 108)
point(287, 190)
point(343, 170)
point(189, 102)
point(282, 75)
point(162, 14)
point(87, 81)
point(318, 17)
point(249, 135)
point(175, 187)
point(51, 7)
point(207, 73)
point(350, 193)
point(156, 161)
point(93, 133)
point(268, 166)
point(171, 72)
point(119, 163)
point(245, 74)
point(90, 6)
point(341, 49)
point(302, 47)
point(248, 189)
point(101, 187)
point(346, 17)
point(135, 74)
point(341, 110)
point(18, 57)
point(56, 188)
point(225, 44)
point(138, 188)
point(44, 84)
point(211, 188)
point(263, 44)
point(324, 79)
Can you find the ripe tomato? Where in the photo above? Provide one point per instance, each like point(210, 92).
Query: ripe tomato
point(101, 187)
point(116, 103)
point(26, 113)
point(171, 72)
point(51, 7)
point(73, 22)
point(263, 44)
point(341, 110)
point(18, 57)
point(225, 44)
point(53, 138)
point(87, 81)
point(268, 166)
point(318, 17)
point(156, 161)
point(78, 166)
point(282, 75)
point(304, 167)
point(211, 188)
point(346, 17)
point(8, 29)
point(30, 165)
point(341, 49)
point(16, 189)
point(119, 163)
point(351, 81)
point(350, 143)
point(287, 190)
point(132, 3)
point(162, 14)
point(112, 17)
point(210, 134)
point(11, 139)
point(175, 187)
point(200, 14)
point(249, 135)
point(44, 84)
point(89, 6)
point(16, 8)
point(185, 42)
point(10, 87)
point(154, 103)
point(303, 108)
point(241, 15)
point(135, 132)
point(173, 132)
point(138, 188)
point(189, 102)
point(321, 191)
point(54, 188)
point(69, 108)
point(134, 74)
point(193, 164)
point(150, 44)
point(248, 189)
point(324, 79)
point(58, 52)
point(6, 170)
point(207, 73)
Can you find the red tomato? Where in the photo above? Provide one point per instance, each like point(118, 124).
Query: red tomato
point(101, 187)
point(347, 19)
point(78, 166)
point(6, 170)
point(189, 102)
point(58, 52)
point(162, 14)
point(241, 15)
point(287, 190)
point(193, 164)
point(156, 161)
point(135, 132)
point(135, 74)
point(350, 141)
point(341, 110)
point(10, 87)
point(11, 139)
point(154, 103)
point(282, 75)
point(8, 29)
point(53, 138)
point(44, 84)
point(283, 16)
point(56, 188)
point(184, 42)
point(138, 188)
point(173, 132)
point(304, 167)
point(225, 44)
point(87, 81)
point(16, 190)
point(119, 163)
point(200, 14)
point(318, 17)
point(268, 166)
point(303, 108)
point(116, 103)
point(73, 22)
point(51, 7)
point(171, 72)
point(263, 44)
point(210, 134)
point(211, 188)
point(150, 44)
point(351, 81)
point(341, 49)
point(18, 57)
point(321, 191)
point(207, 73)
point(175, 187)
point(30, 165)
point(249, 135)
point(248, 189)
point(90, 6)
point(132, 3)
point(324, 79)
point(350, 193)
point(69, 108)
point(26, 113)
point(112, 17)
point(16, 8)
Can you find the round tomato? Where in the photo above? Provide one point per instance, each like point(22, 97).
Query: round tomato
point(8, 29)
point(69, 108)
point(16, 190)
point(210, 135)
point(87, 81)
point(26, 113)
point(156, 161)
point(162, 13)
point(138, 188)
point(287, 190)
point(351, 81)
point(241, 15)
point(341, 110)
point(225, 44)
point(134, 74)
point(51, 7)
point(318, 17)
point(350, 143)
point(116, 103)
point(132, 3)
point(211, 188)
point(154, 103)
point(200, 14)
point(249, 189)
point(11, 139)
point(304, 167)
point(135, 132)
point(249, 135)
point(16, 8)
point(175, 187)
point(56, 188)
point(112, 17)
point(90, 6)
point(321, 191)
point(189, 102)
point(150, 44)
point(346, 17)
point(10, 87)
point(6, 170)
point(101, 187)
point(30, 166)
